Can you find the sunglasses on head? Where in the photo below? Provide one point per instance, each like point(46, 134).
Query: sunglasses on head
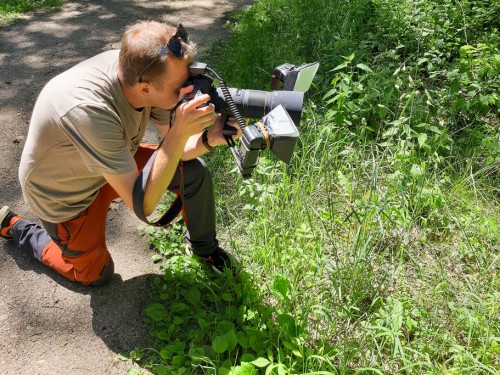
point(173, 45)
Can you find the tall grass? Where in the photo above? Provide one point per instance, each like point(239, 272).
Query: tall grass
point(377, 249)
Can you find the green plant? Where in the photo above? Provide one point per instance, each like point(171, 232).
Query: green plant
point(377, 249)
point(10, 9)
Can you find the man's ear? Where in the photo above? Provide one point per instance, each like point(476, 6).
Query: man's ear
point(144, 89)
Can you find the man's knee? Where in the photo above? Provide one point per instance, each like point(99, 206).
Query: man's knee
point(196, 173)
point(106, 275)
point(196, 166)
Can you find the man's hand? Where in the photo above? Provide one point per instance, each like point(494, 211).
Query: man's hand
point(215, 135)
point(192, 116)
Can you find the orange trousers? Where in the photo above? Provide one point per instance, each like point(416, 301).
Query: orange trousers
point(78, 247)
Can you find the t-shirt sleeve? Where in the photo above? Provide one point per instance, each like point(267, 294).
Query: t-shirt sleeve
point(99, 138)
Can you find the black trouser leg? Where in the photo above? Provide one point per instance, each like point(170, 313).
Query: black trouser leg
point(199, 205)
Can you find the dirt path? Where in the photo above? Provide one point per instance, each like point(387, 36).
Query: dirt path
point(49, 325)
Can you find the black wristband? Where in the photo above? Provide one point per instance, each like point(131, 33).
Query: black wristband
point(204, 140)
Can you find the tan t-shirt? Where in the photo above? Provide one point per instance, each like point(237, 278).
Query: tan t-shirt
point(81, 126)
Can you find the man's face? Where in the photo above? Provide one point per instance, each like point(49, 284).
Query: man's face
point(166, 93)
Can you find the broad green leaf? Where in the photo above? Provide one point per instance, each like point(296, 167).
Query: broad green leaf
point(193, 296)
point(197, 352)
point(157, 312)
point(416, 170)
point(162, 370)
point(344, 181)
point(421, 139)
point(232, 340)
point(165, 354)
point(247, 357)
point(244, 369)
point(281, 287)
point(228, 297)
point(156, 258)
point(242, 339)
point(177, 320)
point(203, 323)
point(162, 335)
point(220, 344)
point(261, 362)
point(287, 323)
point(178, 306)
point(177, 347)
point(224, 326)
point(178, 361)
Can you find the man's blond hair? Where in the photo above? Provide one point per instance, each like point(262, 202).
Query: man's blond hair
point(141, 44)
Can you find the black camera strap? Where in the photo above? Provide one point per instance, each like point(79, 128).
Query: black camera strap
point(140, 188)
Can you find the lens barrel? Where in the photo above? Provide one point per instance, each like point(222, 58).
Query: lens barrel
point(257, 104)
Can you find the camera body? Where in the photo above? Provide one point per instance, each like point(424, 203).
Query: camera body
point(279, 111)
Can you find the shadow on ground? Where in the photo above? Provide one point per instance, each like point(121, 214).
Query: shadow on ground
point(117, 308)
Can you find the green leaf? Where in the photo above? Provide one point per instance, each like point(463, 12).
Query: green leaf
point(232, 340)
point(177, 320)
point(220, 344)
point(178, 361)
point(287, 323)
point(247, 357)
point(421, 139)
point(344, 181)
point(416, 170)
point(157, 312)
point(203, 324)
point(162, 335)
point(197, 353)
point(135, 356)
point(165, 354)
point(338, 67)
point(242, 339)
point(281, 369)
point(364, 67)
point(177, 347)
point(228, 297)
point(223, 327)
point(161, 370)
point(193, 296)
point(156, 258)
point(244, 369)
point(178, 306)
point(350, 57)
point(123, 357)
point(281, 287)
point(261, 362)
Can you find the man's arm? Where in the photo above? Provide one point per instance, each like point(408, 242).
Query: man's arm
point(189, 121)
point(194, 145)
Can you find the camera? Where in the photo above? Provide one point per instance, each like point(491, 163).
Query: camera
point(279, 111)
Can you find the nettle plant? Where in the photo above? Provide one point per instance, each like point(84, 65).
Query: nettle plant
point(219, 323)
